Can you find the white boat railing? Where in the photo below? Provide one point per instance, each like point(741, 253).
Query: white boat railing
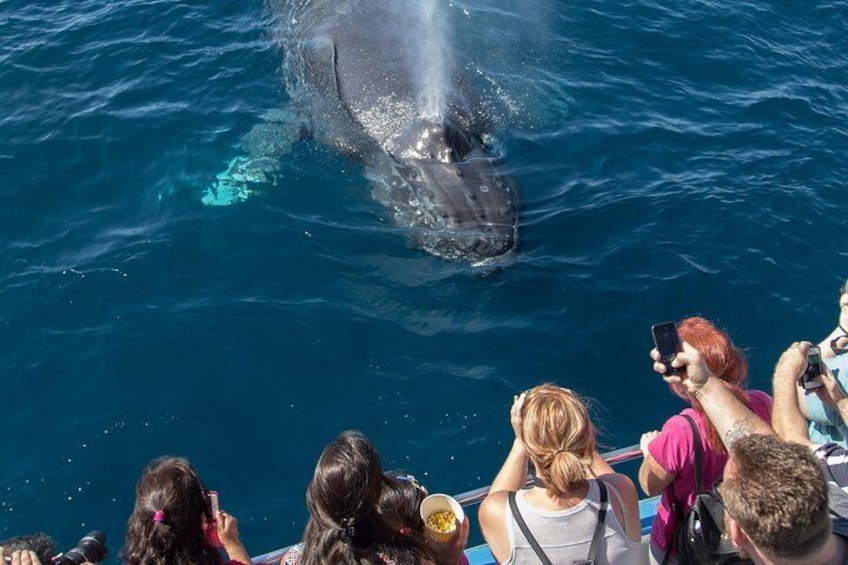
point(473, 497)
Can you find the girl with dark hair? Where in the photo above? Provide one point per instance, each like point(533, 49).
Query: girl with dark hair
point(401, 501)
point(347, 523)
point(668, 467)
point(401, 498)
point(172, 522)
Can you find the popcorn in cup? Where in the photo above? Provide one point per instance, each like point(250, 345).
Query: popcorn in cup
point(440, 513)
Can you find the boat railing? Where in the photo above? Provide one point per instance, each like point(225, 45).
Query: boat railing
point(474, 496)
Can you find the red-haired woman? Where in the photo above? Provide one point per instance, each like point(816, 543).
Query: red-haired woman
point(669, 466)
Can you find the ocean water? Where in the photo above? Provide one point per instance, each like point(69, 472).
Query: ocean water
point(674, 159)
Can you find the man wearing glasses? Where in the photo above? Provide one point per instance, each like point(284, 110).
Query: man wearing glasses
point(828, 414)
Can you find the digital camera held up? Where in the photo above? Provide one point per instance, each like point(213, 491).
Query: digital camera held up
point(91, 548)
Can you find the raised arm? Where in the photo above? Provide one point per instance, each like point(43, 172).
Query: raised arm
point(731, 418)
point(511, 477)
point(786, 416)
point(513, 473)
point(229, 535)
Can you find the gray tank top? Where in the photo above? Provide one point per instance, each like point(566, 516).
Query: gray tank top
point(565, 535)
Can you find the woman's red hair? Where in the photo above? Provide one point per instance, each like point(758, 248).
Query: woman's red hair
point(724, 360)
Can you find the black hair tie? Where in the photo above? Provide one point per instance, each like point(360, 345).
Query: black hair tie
point(347, 530)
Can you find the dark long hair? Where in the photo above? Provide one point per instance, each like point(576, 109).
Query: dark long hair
point(400, 504)
point(401, 500)
point(169, 485)
point(345, 525)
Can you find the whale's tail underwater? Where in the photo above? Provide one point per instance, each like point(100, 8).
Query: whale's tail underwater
point(372, 85)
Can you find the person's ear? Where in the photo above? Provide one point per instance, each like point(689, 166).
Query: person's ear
point(737, 535)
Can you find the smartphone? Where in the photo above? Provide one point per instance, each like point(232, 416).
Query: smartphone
point(211, 528)
point(812, 375)
point(213, 504)
point(668, 344)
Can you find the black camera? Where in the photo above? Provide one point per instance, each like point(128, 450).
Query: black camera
point(91, 548)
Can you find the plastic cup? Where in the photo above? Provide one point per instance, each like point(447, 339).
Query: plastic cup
point(441, 503)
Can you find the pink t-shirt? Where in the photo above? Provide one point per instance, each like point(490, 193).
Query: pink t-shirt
point(674, 451)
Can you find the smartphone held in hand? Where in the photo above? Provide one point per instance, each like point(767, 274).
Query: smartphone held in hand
point(213, 504)
point(811, 379)
point(668, 344)
point(212, 527)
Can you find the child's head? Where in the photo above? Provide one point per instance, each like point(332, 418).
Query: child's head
point(401, 499)
point(166, 525)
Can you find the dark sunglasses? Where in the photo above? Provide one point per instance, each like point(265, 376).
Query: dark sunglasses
point(407, 478)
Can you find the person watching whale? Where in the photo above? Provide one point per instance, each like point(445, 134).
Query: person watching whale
point(779, 506)
point(668, 467)
point(346, 523)
point(827, 414)
point(565, 511)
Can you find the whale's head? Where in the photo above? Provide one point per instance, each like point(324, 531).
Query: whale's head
point(449, 190)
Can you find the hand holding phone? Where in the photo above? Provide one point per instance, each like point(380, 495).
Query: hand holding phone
point(668, 344)
point(212, 529)
point(213, 504)
point(811, 379)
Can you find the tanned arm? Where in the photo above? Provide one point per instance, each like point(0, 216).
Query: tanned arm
point(731, 418)
point(511, 477)
point(786, 416)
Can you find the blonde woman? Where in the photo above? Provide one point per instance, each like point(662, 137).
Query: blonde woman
point(564, 511)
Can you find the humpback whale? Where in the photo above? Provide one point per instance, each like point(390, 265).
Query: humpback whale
point(380, 84)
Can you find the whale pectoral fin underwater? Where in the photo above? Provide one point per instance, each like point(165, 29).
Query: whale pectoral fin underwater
point(319, 58)
point(264, 144)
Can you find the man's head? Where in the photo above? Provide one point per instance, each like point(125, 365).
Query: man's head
point(775, 498)
point(42, 544)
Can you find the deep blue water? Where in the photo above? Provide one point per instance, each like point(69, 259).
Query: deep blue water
point(674, 159)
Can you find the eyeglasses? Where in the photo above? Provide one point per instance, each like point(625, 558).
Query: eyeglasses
point(834, 344)
point(407, 478)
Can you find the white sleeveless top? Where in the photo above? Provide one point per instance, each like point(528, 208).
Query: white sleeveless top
point(565, 535)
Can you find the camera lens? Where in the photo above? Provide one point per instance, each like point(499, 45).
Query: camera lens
point(91, 548)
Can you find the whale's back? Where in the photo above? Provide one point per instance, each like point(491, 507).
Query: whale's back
point(382, 88)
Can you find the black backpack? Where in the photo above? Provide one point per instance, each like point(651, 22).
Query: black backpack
point(699, 533)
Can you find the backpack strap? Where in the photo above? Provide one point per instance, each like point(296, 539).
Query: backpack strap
point(526, 531)
point(696, 437)
point(699, 483)
point(599, 527)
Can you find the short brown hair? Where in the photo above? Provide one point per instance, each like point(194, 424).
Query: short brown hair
point(778, 496)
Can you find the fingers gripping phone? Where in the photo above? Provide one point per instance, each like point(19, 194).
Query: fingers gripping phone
point(213, 504)
point(668, 344)
point(811, 378)
point(212, 531)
